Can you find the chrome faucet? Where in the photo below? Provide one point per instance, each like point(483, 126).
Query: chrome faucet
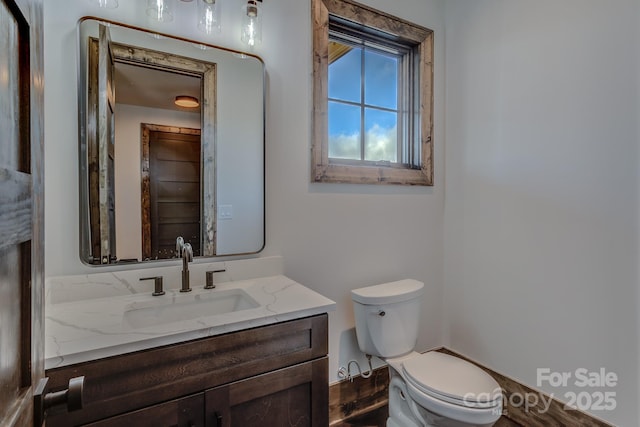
point(184, 251)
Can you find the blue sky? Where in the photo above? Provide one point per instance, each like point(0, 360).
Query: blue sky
point(380, 89)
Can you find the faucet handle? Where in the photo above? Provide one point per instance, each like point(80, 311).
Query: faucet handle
point(209, 280)
point(157, 288)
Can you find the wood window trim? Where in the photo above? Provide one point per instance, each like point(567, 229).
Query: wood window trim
point(322, 169)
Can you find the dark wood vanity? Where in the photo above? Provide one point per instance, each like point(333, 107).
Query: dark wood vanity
point(272, 375)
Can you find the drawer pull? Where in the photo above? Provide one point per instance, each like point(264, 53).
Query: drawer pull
point(218, 419)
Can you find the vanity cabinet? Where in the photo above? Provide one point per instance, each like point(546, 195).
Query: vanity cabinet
point(272, 375)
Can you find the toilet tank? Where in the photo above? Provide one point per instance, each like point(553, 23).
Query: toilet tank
point(387, 317)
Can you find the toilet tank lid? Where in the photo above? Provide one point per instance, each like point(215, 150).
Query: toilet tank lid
point(387, 293)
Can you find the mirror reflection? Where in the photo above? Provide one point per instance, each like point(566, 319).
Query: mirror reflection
point(171, 144)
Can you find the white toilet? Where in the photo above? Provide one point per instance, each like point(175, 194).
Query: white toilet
point(430, 389)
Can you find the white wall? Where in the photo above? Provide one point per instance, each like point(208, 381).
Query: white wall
point(638, 203)
point(542, 189)
point(333, 237)
point(336, 237)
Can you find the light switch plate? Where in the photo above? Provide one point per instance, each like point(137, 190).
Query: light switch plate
point(225, 212)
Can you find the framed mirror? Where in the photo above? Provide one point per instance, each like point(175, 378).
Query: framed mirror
point(171, 144)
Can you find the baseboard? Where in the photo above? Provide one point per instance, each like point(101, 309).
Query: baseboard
point(348, 400)
point(354, 400)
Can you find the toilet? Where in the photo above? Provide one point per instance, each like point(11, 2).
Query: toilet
point(429, 389)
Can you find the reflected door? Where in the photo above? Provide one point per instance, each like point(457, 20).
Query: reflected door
point(174, 191)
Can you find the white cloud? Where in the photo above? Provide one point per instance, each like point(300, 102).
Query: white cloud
point(380, 144)
point(344, 146)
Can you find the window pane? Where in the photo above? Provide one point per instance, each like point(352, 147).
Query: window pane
point(381, 138)
point(381, 79)
point(344, 72)
point(344, 131)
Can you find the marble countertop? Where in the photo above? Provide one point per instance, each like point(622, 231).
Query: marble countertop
point(89, 329)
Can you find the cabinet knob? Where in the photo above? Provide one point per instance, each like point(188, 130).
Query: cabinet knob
point(43, 399)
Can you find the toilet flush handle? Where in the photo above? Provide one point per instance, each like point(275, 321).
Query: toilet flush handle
point(381, 313)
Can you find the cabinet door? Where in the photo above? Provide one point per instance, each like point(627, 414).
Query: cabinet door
point(291, 396)
point(185, 412)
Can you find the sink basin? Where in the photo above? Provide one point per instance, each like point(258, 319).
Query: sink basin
point(168, 309)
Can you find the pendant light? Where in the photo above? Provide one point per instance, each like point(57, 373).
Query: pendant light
point(251, 31)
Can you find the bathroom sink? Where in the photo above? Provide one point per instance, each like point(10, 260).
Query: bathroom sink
point(169, 309)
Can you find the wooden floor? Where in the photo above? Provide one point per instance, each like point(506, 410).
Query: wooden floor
point(363, 403)
point(378, 418)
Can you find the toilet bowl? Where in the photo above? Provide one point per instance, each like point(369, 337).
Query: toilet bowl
point(430, 389)
point(447, 390)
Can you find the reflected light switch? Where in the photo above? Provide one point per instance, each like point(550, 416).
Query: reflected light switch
point(225, 212)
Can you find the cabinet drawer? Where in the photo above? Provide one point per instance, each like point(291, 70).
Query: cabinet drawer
point(185, 412)
point(137, 380)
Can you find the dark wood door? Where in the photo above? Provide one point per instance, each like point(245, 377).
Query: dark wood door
point(174, 187)
point(21, 209)
point(291, 396)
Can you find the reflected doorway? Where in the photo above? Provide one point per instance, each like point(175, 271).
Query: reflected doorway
point(171, 188)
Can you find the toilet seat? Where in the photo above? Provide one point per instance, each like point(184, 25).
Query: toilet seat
point(451, 380)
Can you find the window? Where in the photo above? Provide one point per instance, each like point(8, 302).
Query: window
point(372, 97)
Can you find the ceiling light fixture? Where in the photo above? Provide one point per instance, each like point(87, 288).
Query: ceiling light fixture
point(186, 101)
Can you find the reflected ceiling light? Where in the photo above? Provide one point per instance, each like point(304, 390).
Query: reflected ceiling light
point(187, 101)
point(106, 4)
point(160, 10)
point(209, 16)
point(251, 31)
